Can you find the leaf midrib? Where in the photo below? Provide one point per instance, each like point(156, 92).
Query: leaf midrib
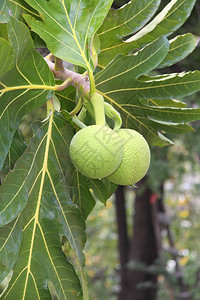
point(36, 219)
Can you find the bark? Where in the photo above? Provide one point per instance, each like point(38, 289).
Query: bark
point(143, 247)
point(122, 233)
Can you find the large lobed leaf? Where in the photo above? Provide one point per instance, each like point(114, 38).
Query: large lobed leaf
point(44, 200)
point(17, 148)
point(68, 27)
point(6, 52)
point(51, 200)
point(165, 23)
point(24, 87)
point(8, 7)
point(123, 85)
point(41, 196)
point(15, 8)
point(10, 242)
point(87, 190)
point(180, 47)
point(123, 22)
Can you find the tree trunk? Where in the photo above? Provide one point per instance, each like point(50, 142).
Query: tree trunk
point(123, 235)
point(143, 247)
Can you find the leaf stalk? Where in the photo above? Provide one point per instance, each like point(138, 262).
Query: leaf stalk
point(77, 108)
point(97, 101)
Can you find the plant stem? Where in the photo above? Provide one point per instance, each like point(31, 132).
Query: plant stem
point(50, 57)
point(58, 64)
point(82, 114)
point(78, 122)
point(70, 77)
point(63, 86)
point(97, 101)
point(77, 108)
point(88, 105)
point(92, 83)
point(113, 114)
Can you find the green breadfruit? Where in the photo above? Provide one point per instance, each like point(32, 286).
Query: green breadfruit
point(96, 151)
point(136, 159)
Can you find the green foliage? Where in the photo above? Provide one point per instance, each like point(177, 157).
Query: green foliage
point(122, 85)
point(21, 90)
point(180, 47)
point(165, 23)
point(72, 25)
point(45, 201)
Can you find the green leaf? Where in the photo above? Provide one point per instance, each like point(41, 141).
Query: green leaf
point(15, 8)
point(180, 47)
point(87, 190)
point(8, 8)
point(172, 114)
point(166, 22)
point(38, 42)
point(41, 251)
point(175, 85)
point(81, 194)
point(3, 31)
point(41, 192)
point(122, 22)
point(29, 168)
point(23, 88)
point(10, 242)
point(122, 85)
point(176, 128)
point(130, 67)
point(6, 56)
point(65, 28)
point(67, 98)
point(163, 102)
point(18, 146)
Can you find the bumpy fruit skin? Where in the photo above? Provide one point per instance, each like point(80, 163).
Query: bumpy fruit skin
point(136, 159)
point(96, 151)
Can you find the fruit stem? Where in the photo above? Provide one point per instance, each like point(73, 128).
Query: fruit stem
point(58, 64)
point(97, 101)
point(82, 114)
point(64, 85)
point(77, 108)
point(113, 114)
point(92, 83)
point(78, 122)
point(88, 106)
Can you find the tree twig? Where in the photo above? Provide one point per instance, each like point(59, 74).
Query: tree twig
point(58, 64)
point(76, 79)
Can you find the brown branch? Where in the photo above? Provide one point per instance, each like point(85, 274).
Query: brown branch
point(77, 80)
point(58, 64)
